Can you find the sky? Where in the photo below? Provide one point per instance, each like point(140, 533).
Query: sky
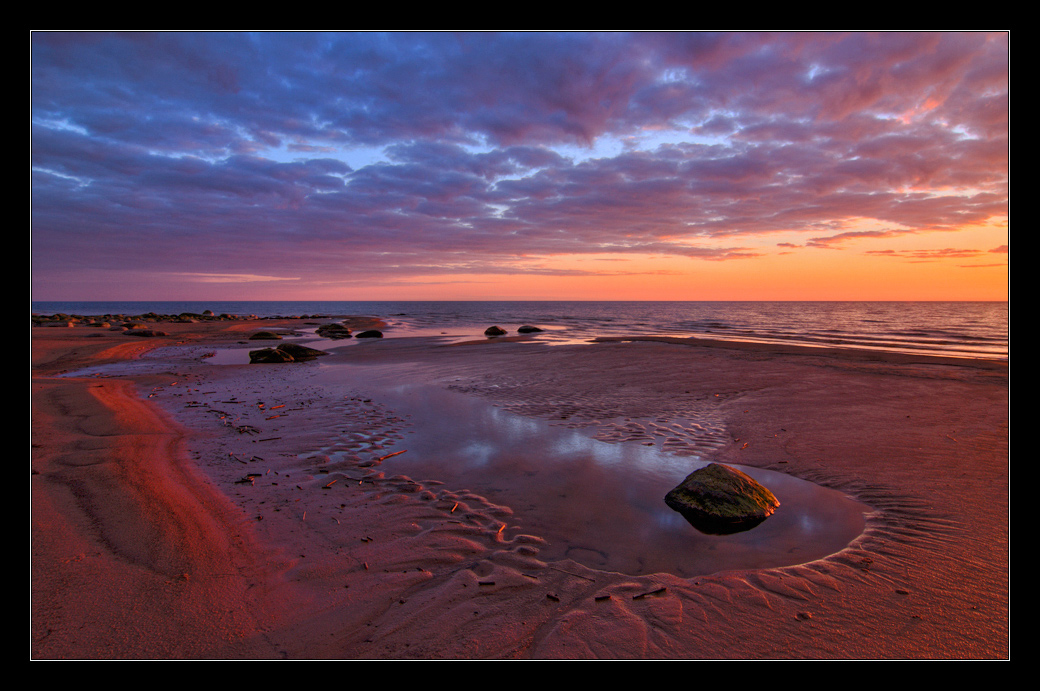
point(519, 166)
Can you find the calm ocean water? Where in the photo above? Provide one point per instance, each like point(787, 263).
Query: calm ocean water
point(964, 329)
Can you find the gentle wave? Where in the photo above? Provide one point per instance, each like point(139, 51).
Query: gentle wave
point(962, 329)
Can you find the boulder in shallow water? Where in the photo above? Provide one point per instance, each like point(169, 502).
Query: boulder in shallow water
point(334, 331)
point(371, 333)
point(528, 329)
point(718, 499)
point(288, 352)
point(269, 356)
point(300, 352)
point(494, 331)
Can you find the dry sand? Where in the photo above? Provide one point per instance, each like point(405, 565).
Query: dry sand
point(185, 510)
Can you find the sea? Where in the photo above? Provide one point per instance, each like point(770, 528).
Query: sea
point(952, 329)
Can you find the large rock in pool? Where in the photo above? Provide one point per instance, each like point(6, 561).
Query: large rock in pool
point(528, 329)
point(494, 331)
point(269, 356)
point(288, 352)
point(371, 333)
point(301, 352)
point(718, 499)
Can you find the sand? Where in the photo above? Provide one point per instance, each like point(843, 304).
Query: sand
point(185, 510)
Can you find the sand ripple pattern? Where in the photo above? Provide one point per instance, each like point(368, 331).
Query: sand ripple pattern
point(434, 572)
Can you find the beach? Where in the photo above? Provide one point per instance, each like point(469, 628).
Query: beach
point(187, 510)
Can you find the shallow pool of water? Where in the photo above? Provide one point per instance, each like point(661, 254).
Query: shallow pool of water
point(598, 503)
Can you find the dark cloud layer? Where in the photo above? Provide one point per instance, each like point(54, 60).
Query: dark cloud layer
point(237, 153)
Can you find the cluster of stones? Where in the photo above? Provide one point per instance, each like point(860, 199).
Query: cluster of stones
point(139, 324)
point(134, 325)
point(290, 352)
point(499, 331)
point(107, 320)
point(337, 331)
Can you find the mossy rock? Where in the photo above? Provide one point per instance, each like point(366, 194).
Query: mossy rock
point(718, 499)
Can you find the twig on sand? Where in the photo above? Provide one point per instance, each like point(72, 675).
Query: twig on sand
point(656, 591)
point(576, 575)
point(391, 455)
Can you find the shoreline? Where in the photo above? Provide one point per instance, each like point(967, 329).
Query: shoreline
point(391, 571)
point(856, 326)
point(833, 351)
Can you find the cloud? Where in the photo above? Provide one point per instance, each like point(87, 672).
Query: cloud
point(929, 255)
point(831, 241)
point(230, 278)
point(226, 153)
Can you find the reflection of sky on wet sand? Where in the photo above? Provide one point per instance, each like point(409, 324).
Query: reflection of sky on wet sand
point(600, 503)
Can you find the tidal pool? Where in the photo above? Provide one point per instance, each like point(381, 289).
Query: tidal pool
point(598, 503)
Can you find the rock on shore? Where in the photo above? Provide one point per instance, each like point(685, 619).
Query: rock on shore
point(719, 499)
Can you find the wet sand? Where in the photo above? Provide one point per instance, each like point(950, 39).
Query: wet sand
point(187, 510)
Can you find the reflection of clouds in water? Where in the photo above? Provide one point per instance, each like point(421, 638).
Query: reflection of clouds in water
point(577, 491)
point(516, 429)
point(476, 453)
point(573, 444)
